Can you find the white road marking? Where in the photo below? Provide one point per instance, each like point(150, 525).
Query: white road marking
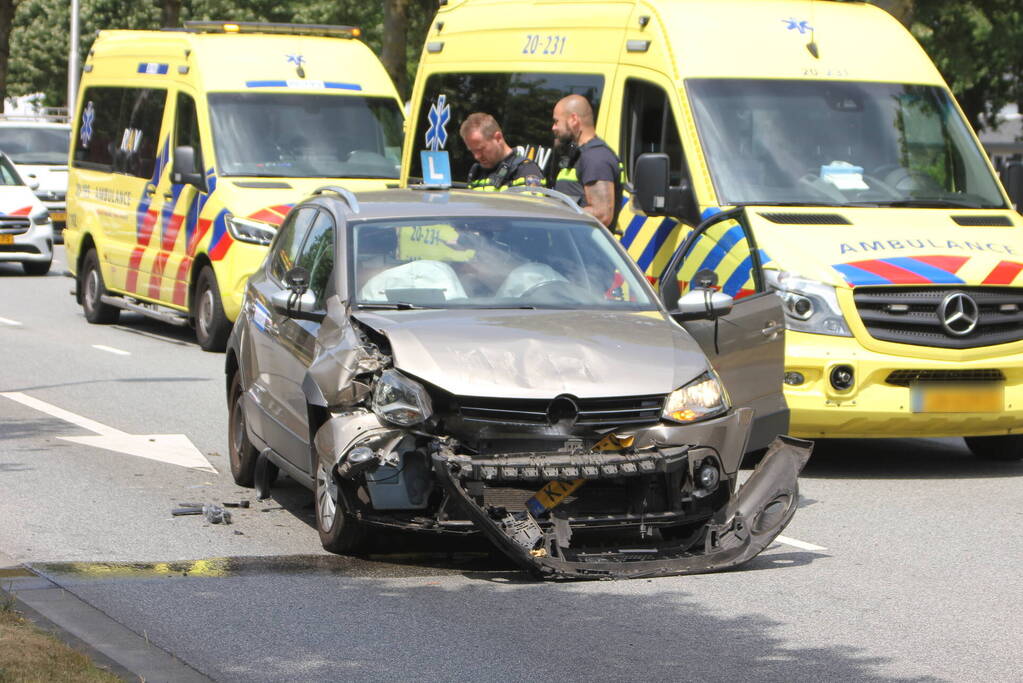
point(175, 449)
point(111, 349)
point(798, 544)
point(8, 321)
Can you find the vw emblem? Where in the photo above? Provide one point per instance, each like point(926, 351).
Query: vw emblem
point(562, 410)
point(959, 314)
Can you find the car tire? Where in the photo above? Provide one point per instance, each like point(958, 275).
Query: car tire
point(242, 453)
point(37, 267)
point(1007, 447)
point(90, 284)
point(212, 327)
point(339, 532)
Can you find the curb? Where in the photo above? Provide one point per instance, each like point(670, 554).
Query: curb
point(109, 644)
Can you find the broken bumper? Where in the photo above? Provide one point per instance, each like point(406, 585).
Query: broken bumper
point(741, 530)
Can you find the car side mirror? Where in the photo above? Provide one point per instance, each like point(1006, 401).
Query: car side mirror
point(297, 301)
point(702, 304)
point(33, 185)
point(651, 184)
point(183, 170)
point(1013, 178)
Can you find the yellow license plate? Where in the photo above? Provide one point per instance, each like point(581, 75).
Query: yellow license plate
point(966, 397)
point(6, 239)
point(551, 495)
point(57, 215)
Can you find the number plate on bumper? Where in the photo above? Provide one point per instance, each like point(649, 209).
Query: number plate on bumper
point(957, 397)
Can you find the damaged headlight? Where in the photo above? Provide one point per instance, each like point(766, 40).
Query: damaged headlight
point(809, 306)
point(702, 398)
point(400, 400)
point(244, 230)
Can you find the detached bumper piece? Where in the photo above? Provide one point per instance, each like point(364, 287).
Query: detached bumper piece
point(543, 544)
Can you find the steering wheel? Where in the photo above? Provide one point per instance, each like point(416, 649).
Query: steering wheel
point(555, 289)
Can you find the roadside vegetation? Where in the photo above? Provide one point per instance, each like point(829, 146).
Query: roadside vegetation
point(28, 654)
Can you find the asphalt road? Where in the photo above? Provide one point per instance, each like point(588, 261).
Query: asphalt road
point(902, 563)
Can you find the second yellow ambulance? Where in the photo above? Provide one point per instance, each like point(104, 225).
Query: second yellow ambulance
point(190, 146)
point(814, 138)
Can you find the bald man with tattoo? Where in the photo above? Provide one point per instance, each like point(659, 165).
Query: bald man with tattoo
point(590, 172)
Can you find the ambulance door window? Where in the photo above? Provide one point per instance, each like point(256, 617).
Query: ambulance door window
point(100, 125)
point(186, 129)
point(648, 125)
point(139, 145)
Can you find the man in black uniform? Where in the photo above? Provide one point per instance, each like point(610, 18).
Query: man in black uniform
point(497, 164)
point(590, 172)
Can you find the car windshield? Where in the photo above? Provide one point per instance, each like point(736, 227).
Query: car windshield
point(839, 143)
point(306, 136)
point(8, 175)
point(35, 145)
point(489, 262)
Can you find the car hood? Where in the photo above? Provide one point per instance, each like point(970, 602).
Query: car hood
point(50, 178)
point(541, 353)
point(18, 200)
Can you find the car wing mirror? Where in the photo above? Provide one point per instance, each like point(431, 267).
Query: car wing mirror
point(33, 185)
point(702, 304)
point(297, 301)
point(183, 170)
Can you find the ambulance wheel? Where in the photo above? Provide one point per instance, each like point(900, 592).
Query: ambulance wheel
point(211, 324)
point(242, 453)
point(339, 532)
point(36, 267)
point(1008, 447)
point(90, 284)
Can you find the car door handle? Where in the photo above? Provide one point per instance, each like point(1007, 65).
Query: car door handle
point(169, 196)
point(150, 190)
point(771, 328)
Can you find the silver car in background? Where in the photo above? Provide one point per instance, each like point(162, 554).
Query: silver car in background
point(460, 362)
point(40, 150)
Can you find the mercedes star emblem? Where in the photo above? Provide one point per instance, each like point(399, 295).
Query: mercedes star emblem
point(959, 314)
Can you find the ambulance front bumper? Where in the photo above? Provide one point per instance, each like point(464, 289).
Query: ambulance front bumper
point(884, 399)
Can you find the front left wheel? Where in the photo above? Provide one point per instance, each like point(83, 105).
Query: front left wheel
point(242, 453)
point(212, 327)
point(1006, 447)
point(339, 533)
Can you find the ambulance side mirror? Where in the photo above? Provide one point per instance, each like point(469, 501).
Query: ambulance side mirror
point(183, 170)
point(651, 184)
point(1012, 176)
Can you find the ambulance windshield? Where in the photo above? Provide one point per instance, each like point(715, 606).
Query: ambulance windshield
point(839, 143)
point(300, 135)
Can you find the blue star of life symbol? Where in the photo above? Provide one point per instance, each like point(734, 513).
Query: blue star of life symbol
point(297, 60)
point(88, 116)
point(440, 114)
point(797, 25)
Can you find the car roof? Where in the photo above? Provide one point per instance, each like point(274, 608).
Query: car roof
point(33, 124)
point(419, 203)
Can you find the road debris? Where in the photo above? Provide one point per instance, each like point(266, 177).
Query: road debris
point(214, 514)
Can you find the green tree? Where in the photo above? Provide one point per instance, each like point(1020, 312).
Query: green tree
point(7, 12)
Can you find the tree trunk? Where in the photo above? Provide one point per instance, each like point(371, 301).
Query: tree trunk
point(171, 13)
point(395, 43)
point(7, 8)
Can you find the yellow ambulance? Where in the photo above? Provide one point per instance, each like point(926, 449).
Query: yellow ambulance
point(189, 147)
point(807, 148)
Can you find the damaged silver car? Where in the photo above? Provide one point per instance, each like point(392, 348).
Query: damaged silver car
point(461, 362)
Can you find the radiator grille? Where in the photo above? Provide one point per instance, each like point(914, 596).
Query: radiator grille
point(596, 413)
point(903, 378)
point(909, 315)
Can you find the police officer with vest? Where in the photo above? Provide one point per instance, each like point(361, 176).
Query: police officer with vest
point(497, 164)
point(590, 172)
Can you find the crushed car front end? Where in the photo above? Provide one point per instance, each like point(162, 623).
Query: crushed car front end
point(567, 486)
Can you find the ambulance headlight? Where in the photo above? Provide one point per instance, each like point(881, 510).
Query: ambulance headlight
point(809, 305)
point(400, 400)
point(245, 230)
point(702, 398)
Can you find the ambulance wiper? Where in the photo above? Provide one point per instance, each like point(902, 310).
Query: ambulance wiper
point(933, 204)
point(788, 204)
